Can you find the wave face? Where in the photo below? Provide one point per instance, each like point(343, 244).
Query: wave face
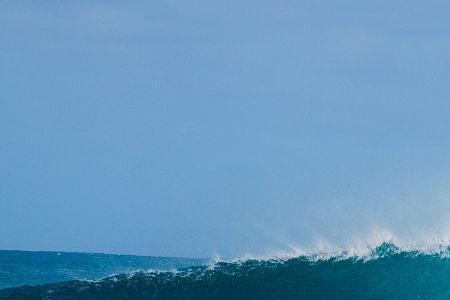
point(387, 274)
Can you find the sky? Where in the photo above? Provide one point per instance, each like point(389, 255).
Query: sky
point(195, 128)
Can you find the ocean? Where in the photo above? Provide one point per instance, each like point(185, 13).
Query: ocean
point(386, 273)
point(19, 268)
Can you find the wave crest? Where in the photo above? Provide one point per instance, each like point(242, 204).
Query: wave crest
point(388, 272)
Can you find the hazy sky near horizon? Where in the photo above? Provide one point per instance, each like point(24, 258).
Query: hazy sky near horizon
point(191, 128)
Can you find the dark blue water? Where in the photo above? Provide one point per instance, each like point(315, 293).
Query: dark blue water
point(19, 268)
point(388, 274)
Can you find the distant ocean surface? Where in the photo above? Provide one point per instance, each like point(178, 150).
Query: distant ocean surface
point(18, 268)
point(387, 273)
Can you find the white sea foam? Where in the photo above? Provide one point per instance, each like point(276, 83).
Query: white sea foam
point(360, 246)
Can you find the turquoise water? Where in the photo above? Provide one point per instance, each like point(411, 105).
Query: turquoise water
point(387, 274)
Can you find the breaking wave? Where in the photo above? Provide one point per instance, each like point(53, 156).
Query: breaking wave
point(387, 271)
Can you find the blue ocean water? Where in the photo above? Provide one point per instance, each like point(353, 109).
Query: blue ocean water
point(388, 273)
point(18, 268)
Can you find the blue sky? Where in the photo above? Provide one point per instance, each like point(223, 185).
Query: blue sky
point(195, 127)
